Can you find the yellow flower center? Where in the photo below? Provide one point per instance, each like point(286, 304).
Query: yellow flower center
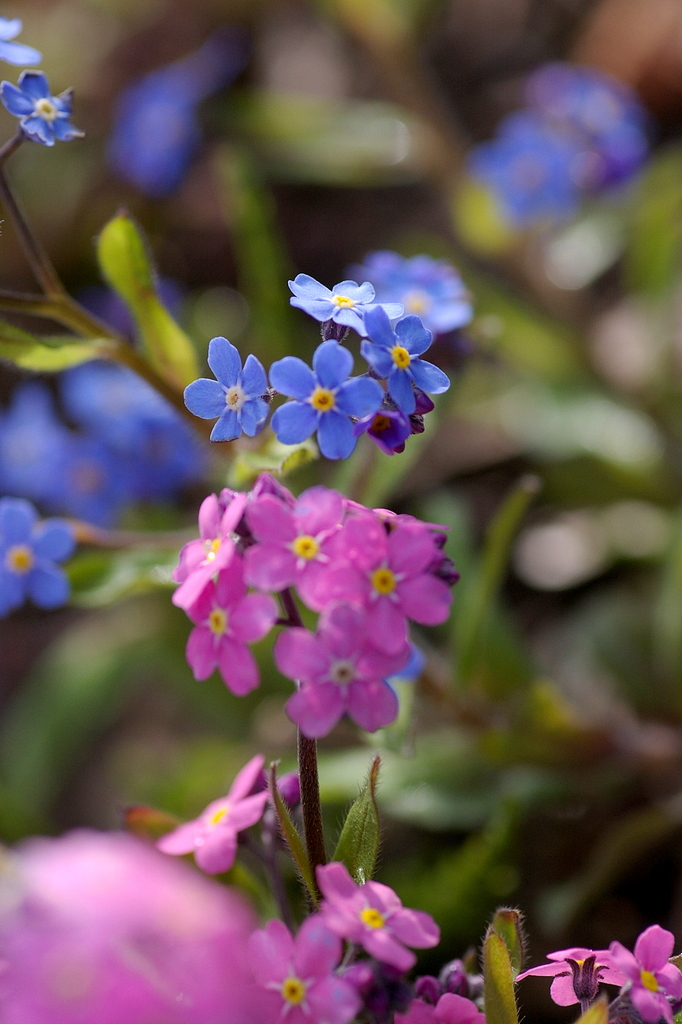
point(217, 621)
point(649, 981)
point(235, 398)
point(305, 547)
point(212, 547)
point(19, 558)
point(218, 816)
point(46, 109)
point(401, 357)
point(383, 581)
point(372, 918)
point(416, 302)
point(343, 300)
point(380, 423)
point(322, 399)
point(293, 991)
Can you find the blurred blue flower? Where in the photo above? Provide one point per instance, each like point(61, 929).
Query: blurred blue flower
point(235, 398)
point(388, 428)
point(394, 355)
point(33, 446)
point(431, 289)
point(93, 482)
point(16, 53)
point(413, 669)
point(324, 399)
point(156, 130)
point(29, 551)
point(346, 303)
point(43, 117)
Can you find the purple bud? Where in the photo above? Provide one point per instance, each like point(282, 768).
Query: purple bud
point(455, 979)
point(424, 403)
point(428, 988)
point(267, 484)
point(290, 789)
point(360, 976)
point(445, 570)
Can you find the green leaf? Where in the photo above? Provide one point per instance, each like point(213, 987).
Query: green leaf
point(655, 249)
point(47, 354)
point(148, 822)
point(498, 982)
point(99, 578)
point(292, 838)
point(358, 845)
point(508, 924)
point(126, 266)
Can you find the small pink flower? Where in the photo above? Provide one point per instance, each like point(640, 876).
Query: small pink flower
point(450, 1009)
point(652, 978)
point(227, 619)
point(293, 543)
point(373, 916)
point(340, 672)
point(201, 559)
point(212, 837)
point(388, 574)
point(577, 973)
point(299, 974)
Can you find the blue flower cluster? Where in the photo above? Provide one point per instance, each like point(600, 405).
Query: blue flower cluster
point(582, 132)
point(131, 445)
point(326, 400)
point(29, 551)
point(42, 117)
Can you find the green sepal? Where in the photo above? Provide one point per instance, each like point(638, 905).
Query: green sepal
point(598, 1013)
point(292, 838)
point(47, 354)
point(498, 981)
point(358, 845)
point(149, 822)
point(508, 924)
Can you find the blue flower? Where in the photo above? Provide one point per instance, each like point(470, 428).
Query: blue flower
point(431, 289)
point(236, 397)
point(33, 446)
point(410, 672)
point(42, 116)
point(324, 399)
point(15, 53)
point(28, 553)
point(94, 483)
point(346, 303)
point(394, 356)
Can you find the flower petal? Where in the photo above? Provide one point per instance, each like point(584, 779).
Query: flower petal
point(254, 378)
point(14, 100)
point(401, 391)
point(270, 952)
point(372, 705)
point(415, 928)
point(378, 327)
point(238, 667)
point(360, 396)
point(47, 586)
point(17, 519)
point(201, 652)
point(218, 851)
point(316, 708)
point(269, 568)
point(246, 778)
point(335, 435)
point(561, 990)
point(378, 358)
point(294, 422)
point(381, 945)
point(270, 521)
point(225, 361)
point(205, 398)
point(413, 335)
point(35, 84)
point(54, 539)
point(332, 363)
point(318, 951)
point(307, 287)
point(181, 840)
point(426, 599)
point(654, 947)
point(335, 882)
point(301, 655)
point(253, 618)
point(292, 377)
point(429, 377)
point(227, 428)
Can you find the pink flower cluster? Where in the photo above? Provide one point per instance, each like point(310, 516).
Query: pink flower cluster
point(366, 573)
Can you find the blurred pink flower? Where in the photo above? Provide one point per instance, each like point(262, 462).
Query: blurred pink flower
point(212, 837)
point(652, 978)
point(201, 559)
point(450, 1009)
point(373, 916)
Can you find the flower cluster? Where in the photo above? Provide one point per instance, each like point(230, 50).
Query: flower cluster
point(366, 573)
point(582, 132)
point(29, 553)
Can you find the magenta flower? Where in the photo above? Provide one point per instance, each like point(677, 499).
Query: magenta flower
point(577, 973)
point(212, 837)
point(388, 574)
point(299, 974)
point(652, 978)
point(372, 916)
point(227, 619)
point(201, 559)
point(293, 543)
point(450, 1009)
point(340, 672)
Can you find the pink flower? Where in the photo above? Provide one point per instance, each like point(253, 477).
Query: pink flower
point(227, 619)
point(299, 974)
point(212, 837)
point(293, 543)
point(652, 978)
point(577, 973)
point(387, 573)
point(340, 672)
point(450, 1009)
point(373, 916)
point(201, 559)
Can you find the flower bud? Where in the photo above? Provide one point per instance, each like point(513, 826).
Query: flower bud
point(428, 988)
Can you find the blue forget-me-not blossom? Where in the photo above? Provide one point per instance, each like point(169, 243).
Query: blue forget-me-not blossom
point(394, 355)
point(324, 399)
point(42, 117)
point(236, 398)
point(15, 53)
point(345, 304)
point(29, 551)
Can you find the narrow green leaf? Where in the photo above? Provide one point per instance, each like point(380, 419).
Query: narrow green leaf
point(292, 838)
point(508, 924)
point(47, 354)
point(126, 266)
point(148, 822)
point(498, 989)
point(358, 844)
point(598, 1013)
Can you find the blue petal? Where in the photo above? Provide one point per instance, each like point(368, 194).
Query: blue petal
point(64, 102)
point(17, 518)
point(332, 363)
point(205, 398)
point(228, 427)
point(65, 131)
point(14, 100)
point(18, 54)
point(254, 380)
point(401, 391)
point(35, 84)
point(429, 377)
point(378, 358)
point(378, 327)
point(292, 377)
point(225, 361)
point(47, 586)
point(11, 592)
point(321, 309)
point(413, 335)
point(253, 416)
point(293, 422)
point(393, 309)
point(361, 293)
point(9, 28)
point(359, 397)
point(335, 435)
point(38, 130)
point(306, 287)
point(54, 540)
point(349, 318)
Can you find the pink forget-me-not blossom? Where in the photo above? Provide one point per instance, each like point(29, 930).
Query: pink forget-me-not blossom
point(577, 973)
point(395, 355)
point(652, 978)
point(450, 1009)
point(202, 559)
point(346, 303)
point(235, 398)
